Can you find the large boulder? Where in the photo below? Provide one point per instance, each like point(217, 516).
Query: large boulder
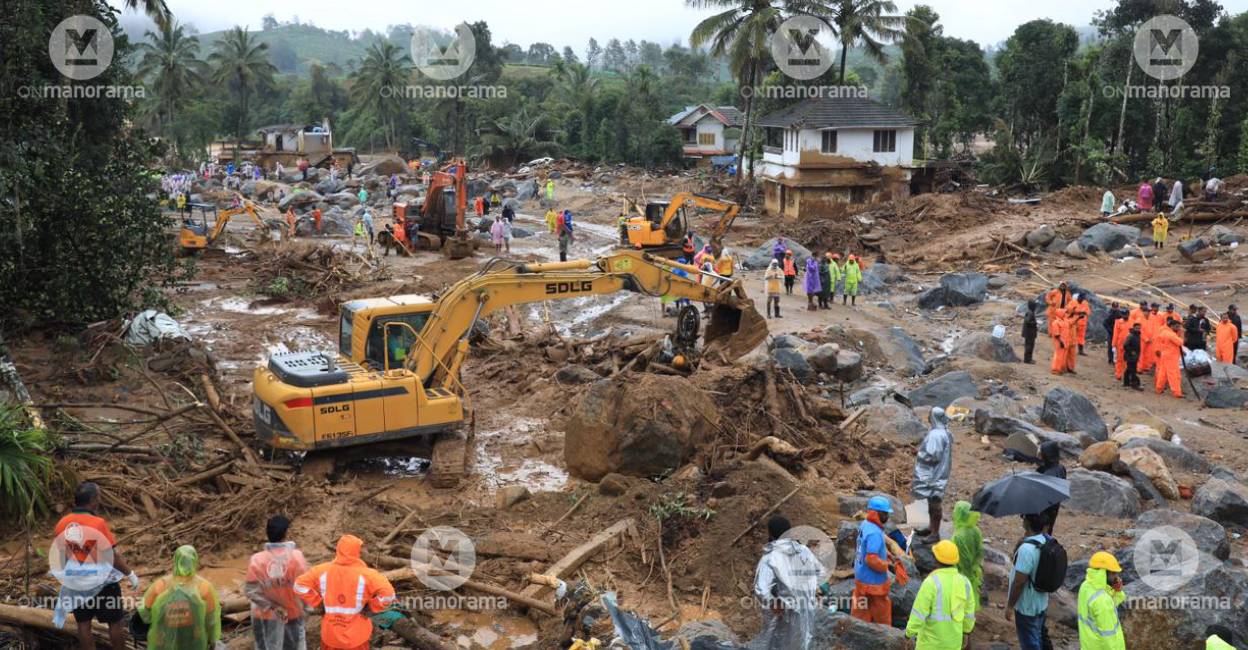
point(1067, 411)
point(1125, 433)
point(848, 366)
point(760, 257)
point(1225, 502)
point(840, 631)
point(1195, 250)
point(1105, 237)
point(1176, 456)
point(1138, 415)
point(384, 166)
point(1102, 494)
point(1226, 397)
point(1212, 592)
point(1150, 464)
point(1210, 536)
point(1025, 446)
point(526, 190)
point(706, 635)
point(1100, 456)
point(793, 361)
point(983, 345)
point(879, 277)
point(893, 420)
point(1041, 236)
point(299, 199)
point(956, 290)
point(944, 389)
point(907, 356)
point(640, 427)
point(823, 358)
point(791, 341)
point(1224, 236)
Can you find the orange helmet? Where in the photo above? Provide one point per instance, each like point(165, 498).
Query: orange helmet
point(836, 256)
point(788, 252)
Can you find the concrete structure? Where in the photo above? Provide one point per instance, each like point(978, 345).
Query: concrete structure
point(708, 131)
point(824, 153)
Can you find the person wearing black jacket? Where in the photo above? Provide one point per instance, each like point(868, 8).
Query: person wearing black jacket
point(1051, 465)
point(1160, 194)
point(1131, 354)
point(1115, 313)
point(1030, 330)
point(1232, 312)
point(1196, 329)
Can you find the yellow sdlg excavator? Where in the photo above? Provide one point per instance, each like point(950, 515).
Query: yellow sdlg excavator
point(661, 226)
point(396, 375)
point(197, 236)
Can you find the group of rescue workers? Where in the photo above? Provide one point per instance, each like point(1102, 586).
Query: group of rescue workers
point(182, 611)
point(1142, 340)
point(823, 276)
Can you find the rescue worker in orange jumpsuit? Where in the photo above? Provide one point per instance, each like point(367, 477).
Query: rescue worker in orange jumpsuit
point(1168, 348)
point(1153, 320)
point(1171, 315)
point(1073, 319)
point(346, 586)
point(1138, 315)
point(1059, 332)
point(1227, 335)
point(1121, 329)
point(1084, 310)
point(1054, 301)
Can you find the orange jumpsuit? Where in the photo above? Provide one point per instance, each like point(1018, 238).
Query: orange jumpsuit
point(1085, 309)
point(1055, 301)
point(1059, 331)
point(347, 587)
point(1227, 334)
point(1072, 339)
point(1168, 347)
point(1148, 331)
point(1121, 329)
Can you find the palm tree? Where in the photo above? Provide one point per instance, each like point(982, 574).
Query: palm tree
point(742, 31)
point(157, 10)
point(515, 137)
point(241, 63)
point(170, 65)
point(869, 23)
point(578, 87)
point(383, 72)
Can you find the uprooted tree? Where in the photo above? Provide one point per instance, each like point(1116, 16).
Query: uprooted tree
point(81, 239)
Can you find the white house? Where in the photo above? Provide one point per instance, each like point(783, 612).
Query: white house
point(708, 131)
point(834, 150)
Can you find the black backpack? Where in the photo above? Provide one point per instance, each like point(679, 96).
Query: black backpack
point(1050, 573)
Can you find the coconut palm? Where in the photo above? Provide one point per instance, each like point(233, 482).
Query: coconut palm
point(871, 24)
point(742, 32)
point(379, 80)
point(577, 88)
point(241, 63)
point(170, 67)
point(515, 137)
point(157, 10)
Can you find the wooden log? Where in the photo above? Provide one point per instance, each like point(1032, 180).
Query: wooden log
point(764, 516)
point(210, 392)
point(248, 454)
point(41, 619)
point(568, 564)
point(419, 637)
point(205, 475)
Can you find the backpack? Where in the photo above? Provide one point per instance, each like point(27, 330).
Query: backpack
point(1050, 571)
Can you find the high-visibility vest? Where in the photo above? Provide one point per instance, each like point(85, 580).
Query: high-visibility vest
point(942, 611)
point(346, 586)
point(1099, 628)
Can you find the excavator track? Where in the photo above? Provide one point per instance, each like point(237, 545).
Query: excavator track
point(449, 460)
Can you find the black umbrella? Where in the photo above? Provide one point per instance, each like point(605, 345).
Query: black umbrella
point(1025, 493)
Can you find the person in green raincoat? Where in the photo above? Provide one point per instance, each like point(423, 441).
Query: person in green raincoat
point(970, 541)
point(853, 275)
point(182, 608)
point(825, 281)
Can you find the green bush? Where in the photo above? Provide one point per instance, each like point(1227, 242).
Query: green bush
point(27, 471)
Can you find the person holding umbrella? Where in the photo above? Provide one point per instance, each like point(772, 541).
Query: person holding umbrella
point(1099, 598)
point(932, 468)
point(943, 612)
point(1051, 465)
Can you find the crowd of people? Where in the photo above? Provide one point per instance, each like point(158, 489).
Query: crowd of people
point(1155, 195)
point(182, 610)
point(1143, 340)
point(823, 278)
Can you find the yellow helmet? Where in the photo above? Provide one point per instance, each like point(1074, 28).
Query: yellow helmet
point(946, 552)
point(1104, 560)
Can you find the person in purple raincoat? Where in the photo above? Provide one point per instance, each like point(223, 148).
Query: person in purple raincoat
point(813, 284)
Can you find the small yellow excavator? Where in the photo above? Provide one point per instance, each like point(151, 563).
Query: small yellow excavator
point(196, 237)
point(662, 226)
point(397, 372)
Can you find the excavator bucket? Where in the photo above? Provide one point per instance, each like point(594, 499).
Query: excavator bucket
point(735, 332)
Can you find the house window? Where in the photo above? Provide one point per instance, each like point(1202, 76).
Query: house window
point(885, 142)
point(829, 142)
point(775, 138)
point(706, 139)
point(690, 135)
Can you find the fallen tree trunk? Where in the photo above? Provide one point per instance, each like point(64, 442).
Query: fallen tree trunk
point(568, 565)
point(41, 619)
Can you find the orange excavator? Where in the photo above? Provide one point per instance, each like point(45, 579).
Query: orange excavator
point(441, 222)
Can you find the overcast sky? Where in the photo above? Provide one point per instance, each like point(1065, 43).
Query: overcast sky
point(564, 22)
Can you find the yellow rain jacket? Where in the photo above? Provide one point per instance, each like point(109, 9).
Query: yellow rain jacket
point(182, 608)
point(1161, 228)
point(942, 612)
point(853, 275)
point(1098, 613)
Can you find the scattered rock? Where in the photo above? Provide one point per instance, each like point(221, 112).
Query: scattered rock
point(1205, 596)
point(1209, 535)
point(793, 361)
point(848, 366)
point(1105, 237)
point(840, 631)
point(1141, 415)
point(613, 485)
point(509, 496)
point(637, 427)
point(1191, 250)
point(1041, 236)
point(791, 341)
point(760, 257)
point(1075, 250)
point(1101, 494)
point(944, 389)
point(1100, 456)
point(998, 281)
point(1067, 411)
point(576, 374)
point(1225, 502)
point(1150, 464)
point(1224, 236)
point(1126, 432)
point(879, 276)
point(956, 290)
point(1057, 245)
point(705, 635)
point(909, 357)
point(824, 358)
point(983, 345)
point(1226, 397)
point(1175, 456)
point(893, 420)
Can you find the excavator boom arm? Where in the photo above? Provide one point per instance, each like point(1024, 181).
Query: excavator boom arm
point(223, 219)
point(495, 288)
point(679, 201)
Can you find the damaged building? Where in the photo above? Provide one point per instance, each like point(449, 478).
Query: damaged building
point(708, 133)
point(832, 151)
